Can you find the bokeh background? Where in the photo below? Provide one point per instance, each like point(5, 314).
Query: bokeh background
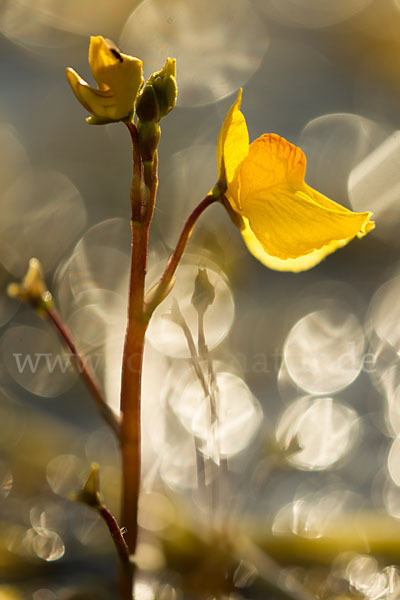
point(305, 454)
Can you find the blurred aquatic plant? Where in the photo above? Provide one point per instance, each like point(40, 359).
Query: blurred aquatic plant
point(285, 224)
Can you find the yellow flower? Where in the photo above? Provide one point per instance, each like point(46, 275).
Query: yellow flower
point(285, 223)
point(118, 76)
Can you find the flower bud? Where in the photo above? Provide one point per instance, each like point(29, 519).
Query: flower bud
point(149, 135)
point(33, 288)
point(158, 96)
point(204, 292)
point(147, 105)
point(90, 494)
point(164, 84)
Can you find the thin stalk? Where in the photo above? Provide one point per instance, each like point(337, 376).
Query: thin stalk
point(176, 256)
point(205, 356)
point(211, 387)
point(84, 369)
point(126, 567)
point(142, 202)
point(131, 386)
point(178, 318)
point(201, 469)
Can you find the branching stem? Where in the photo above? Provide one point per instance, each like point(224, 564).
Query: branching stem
point(143, 195)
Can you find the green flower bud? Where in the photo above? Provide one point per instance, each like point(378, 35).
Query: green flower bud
point(90, 494)
point(149, 135)
point(164, 84)
point(147, 105)
point(158, 96)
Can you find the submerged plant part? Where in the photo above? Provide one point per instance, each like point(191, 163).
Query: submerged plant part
point(285, 223)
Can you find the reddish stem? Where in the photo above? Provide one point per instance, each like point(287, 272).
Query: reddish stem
point(131, 385)
point(126, 567)
point(84, 369)
point(142, 201)
point(177, 254)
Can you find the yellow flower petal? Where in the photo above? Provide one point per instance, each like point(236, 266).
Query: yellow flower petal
point(99, 102)
point(118, 77)
point(233, 142)
point(285, 219)
point(111, 68)
point(290, 225)
point(294, 265)
point(325, 202)
point(270, 162)
point(102, 56)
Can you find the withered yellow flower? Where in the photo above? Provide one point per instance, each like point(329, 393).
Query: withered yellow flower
point(285, 223)
point(118, 76)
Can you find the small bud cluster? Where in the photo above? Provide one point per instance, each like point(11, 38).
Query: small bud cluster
point(158, 96)
point(156, 99)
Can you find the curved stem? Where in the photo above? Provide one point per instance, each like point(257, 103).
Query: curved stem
point(175, 258)
point(84, 369)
